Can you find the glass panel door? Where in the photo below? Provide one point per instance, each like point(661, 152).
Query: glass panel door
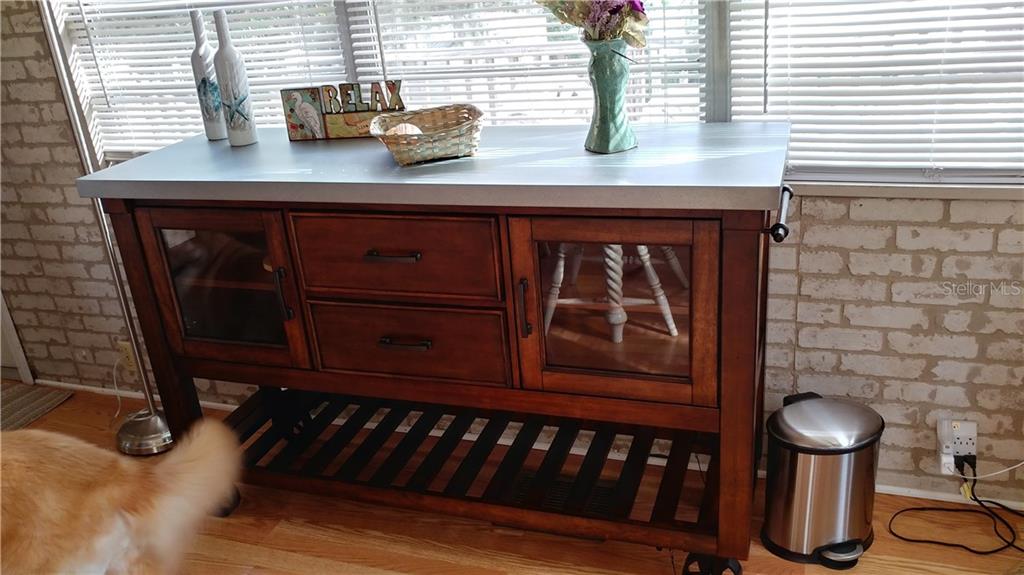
point(623, 308)
point(223, 279)
point(224, 285)
point(620, 308)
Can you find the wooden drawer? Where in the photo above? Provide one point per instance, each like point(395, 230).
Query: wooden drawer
point(448, 257)
point(453, 344)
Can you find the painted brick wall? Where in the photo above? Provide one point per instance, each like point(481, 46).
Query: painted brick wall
point(916, 308)
point(55, 274)
point(858, 306)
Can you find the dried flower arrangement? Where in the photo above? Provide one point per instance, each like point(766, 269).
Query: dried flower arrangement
point(603, 19)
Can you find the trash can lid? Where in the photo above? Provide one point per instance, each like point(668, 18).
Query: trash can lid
point(826, 425)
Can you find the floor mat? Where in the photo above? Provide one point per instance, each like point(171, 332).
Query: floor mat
point(21, 404)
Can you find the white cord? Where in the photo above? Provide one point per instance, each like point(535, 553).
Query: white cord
point(987, 475)
point(117, 393)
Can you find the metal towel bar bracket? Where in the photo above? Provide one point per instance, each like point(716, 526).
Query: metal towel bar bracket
point(779, 230)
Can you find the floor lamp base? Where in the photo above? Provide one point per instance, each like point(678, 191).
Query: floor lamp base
point(144, 433)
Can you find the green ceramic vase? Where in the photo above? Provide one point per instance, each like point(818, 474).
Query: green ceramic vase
point(609, 73)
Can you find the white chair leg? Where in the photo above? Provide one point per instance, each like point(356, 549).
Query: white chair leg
point(673, 263)
point(556, 286)
point(616, 315)
point(659, 294)
point(574, 264)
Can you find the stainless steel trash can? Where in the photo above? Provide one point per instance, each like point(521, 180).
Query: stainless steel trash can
point(822, 459)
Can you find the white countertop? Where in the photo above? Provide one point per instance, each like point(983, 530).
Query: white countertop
point(737, 166)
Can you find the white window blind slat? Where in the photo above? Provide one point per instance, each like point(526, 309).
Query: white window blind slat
point(514, 60)
point(130, 62)
point(922, 90)
point(895, 90)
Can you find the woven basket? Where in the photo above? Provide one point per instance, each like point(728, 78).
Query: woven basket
point(444, 132)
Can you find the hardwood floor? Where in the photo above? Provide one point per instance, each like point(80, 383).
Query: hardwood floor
point(285, 532)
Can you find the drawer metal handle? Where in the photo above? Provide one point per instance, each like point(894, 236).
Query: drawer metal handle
point(286, 312)
point(527, 328)
point(388, 342)
point(373, 255)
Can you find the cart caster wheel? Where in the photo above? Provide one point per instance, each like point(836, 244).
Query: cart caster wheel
point(230, 506)
point(700, 564)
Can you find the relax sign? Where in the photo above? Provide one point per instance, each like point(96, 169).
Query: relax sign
point(329, 112)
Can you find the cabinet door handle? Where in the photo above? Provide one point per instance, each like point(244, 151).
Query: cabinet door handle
point(388, 342)
point(286, 312)
point(527, 328)
point(374, 256)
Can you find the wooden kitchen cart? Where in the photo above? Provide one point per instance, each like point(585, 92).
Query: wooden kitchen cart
point(535, 336)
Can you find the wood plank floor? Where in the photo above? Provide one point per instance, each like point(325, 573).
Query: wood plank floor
point(285, 532)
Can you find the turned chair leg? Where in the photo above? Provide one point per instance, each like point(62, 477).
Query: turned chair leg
point(616, 315)
point(574, 264)
point(659, 294)
point(673, 263)
point(556, 286)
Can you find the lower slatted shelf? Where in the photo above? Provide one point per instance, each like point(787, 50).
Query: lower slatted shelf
point(548, 466)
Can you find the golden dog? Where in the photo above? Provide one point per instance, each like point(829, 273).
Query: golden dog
point(71, 507)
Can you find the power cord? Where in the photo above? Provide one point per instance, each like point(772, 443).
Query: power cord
point(1008, 542)
point(117, 393)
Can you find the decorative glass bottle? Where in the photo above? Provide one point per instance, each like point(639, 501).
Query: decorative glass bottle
point(610, 131)
point(206, 81)
point(234, 87)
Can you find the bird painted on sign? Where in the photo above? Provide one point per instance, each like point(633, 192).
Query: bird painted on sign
point(307, 113)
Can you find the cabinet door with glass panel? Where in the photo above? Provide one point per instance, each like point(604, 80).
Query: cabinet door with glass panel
point(225, 284)
point(617, 307)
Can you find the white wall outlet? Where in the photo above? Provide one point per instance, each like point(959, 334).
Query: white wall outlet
point(127, 360)
point(955, 437)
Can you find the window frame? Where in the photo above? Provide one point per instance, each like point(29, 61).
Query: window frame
point(716, 95)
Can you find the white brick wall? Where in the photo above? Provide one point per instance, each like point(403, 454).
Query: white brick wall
point(916, 308)
point(892, 302)
point(55, 276)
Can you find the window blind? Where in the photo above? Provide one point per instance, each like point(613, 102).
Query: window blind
point(921, 90)
point(130, 63)
point(516, 62)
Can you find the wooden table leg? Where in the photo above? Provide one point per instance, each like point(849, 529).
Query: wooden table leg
point(741, 252)
point(177, 390)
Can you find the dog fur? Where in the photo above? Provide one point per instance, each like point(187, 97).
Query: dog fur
point(71, 507)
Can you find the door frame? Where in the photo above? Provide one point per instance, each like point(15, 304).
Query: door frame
point(12, 344)
point(295, 353)
point(700, 387)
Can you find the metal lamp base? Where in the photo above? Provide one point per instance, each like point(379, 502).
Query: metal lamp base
point(144, 433)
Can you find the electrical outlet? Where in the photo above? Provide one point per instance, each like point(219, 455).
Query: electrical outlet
point(127, 360)
point(956, 437)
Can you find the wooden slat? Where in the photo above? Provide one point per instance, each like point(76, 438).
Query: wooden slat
point(590, 470)
point(707, 517)
point(252, 421)
point(333, 446)
point(250, 405)
point(437, 457)
point(672, 480)
point(310, 432)
point(631, 474)
point(289, 410)
point(685, 537)
point(399, 456)
point(500, 486)
point(553, 462)
point(373, 442)
point(467, 471)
